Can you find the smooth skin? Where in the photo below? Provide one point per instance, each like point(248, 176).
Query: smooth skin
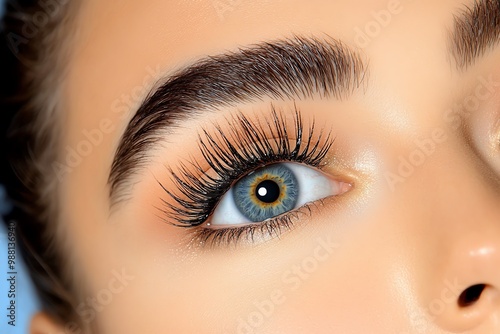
point(391, 255)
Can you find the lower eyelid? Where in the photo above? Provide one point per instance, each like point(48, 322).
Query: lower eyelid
point(275, 229)
point(255, 233)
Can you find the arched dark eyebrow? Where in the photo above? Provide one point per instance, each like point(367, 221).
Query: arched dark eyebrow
point(285, 69)
point(476, 30)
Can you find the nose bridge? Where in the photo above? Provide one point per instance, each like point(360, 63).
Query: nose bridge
point(462, 223)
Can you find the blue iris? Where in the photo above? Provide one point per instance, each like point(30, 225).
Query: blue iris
point(266, 193)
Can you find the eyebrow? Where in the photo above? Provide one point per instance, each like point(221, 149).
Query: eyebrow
point(293, 68)
point(476, 30)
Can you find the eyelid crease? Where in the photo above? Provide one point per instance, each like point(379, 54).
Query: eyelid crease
point(244, 148)
point(284, 69)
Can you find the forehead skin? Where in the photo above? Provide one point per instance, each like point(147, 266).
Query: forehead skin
point(397, 246)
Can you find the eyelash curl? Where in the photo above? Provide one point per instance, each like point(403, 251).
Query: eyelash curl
point(232, 154)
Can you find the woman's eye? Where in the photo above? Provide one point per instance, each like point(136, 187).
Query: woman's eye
point(272, 191)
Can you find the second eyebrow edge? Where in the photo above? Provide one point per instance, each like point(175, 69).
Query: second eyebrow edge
point(476, 29)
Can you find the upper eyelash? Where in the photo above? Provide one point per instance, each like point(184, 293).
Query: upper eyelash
point(243, 149)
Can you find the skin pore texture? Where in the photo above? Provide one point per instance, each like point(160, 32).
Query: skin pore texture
point(417, 138)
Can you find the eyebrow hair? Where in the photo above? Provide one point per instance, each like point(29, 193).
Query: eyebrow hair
point(284, 69)
point(476, 30)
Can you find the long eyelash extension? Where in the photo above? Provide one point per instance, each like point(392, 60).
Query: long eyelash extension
point(232, 154)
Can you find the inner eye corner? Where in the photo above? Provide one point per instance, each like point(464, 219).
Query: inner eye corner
point(349, 182)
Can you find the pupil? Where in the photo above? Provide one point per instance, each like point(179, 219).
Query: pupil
point(267, 191)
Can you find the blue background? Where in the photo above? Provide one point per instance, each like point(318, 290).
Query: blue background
point(25, 299)
point(26, 303)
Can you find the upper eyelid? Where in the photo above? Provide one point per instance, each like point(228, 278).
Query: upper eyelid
point(202, 192)
point(281, 69)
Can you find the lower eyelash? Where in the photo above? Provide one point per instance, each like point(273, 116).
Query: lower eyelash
point(231, 154)
point(266, 230)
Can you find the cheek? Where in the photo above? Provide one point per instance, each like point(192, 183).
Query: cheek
point(348, 266)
